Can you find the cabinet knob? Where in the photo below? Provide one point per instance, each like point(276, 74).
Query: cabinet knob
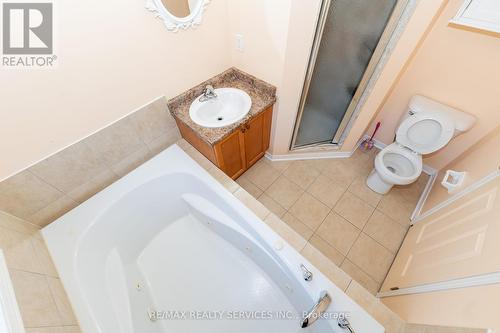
point(247, 126)
point(243, 130)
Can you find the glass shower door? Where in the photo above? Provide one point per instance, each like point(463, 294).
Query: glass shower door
point(348, 33)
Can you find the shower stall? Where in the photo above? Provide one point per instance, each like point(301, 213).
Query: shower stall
point(351, 36)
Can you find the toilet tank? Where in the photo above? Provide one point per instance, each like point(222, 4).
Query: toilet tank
point(463, 121)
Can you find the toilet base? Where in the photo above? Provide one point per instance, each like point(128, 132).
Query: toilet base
point(377, 184)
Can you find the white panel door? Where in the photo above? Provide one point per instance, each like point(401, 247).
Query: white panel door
point(460, 240)
point(480, 14)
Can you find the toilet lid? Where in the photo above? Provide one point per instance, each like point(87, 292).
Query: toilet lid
point(425, 132)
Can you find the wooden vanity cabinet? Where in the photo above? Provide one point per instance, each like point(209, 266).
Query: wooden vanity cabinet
point(239, 150)
point(230, 154)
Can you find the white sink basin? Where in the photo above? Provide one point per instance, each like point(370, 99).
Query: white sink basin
point(230, 106)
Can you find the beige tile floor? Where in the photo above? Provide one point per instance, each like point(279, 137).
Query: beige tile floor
point(327, 202)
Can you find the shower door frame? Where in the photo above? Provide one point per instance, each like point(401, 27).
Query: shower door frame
point(341, 133)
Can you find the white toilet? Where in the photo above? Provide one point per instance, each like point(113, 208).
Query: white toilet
point(427, 127)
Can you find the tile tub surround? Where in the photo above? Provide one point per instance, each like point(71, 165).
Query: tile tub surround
point(52, 187)
point(40, 295)
point(328, 203)
point(262, 94)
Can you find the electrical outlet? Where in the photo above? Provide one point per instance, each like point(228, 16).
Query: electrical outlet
point(240, 42)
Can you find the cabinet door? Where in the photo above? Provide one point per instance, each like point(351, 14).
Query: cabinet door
point(230, 154)
point(257, 133)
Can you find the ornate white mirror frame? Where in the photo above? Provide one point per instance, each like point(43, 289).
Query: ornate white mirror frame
point(174, 23)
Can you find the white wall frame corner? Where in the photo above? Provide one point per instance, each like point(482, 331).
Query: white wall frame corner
point(479, 14)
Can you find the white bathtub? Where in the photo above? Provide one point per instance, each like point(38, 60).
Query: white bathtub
point(168, 237)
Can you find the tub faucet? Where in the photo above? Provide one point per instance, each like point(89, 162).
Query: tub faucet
point(208, 94)
point(345, 324)
point(316, 311)
point(307, 274)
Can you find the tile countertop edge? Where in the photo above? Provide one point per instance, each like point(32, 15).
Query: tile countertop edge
point(263, 96)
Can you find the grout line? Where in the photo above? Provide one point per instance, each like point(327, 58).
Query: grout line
point(352, 245)
point(369, 218)
point(49, 185)
point(340, 266)
point(363, 231)
point(357, 238)
point(361, 269)
point(107, 167)
point(322, 201)
point(52, 326)
point(274, 181)
point(87, 136)
point(331, 245)
point(369, 276)
point(23, 222)
point(350, 282)
point(26, 271)
point(54, 299)
point(332, 210)
point(373, 239)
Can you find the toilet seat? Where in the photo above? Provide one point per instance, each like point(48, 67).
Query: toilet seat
point(425, 132)
point(420, 133)
point(398, 165)
point(426, 127)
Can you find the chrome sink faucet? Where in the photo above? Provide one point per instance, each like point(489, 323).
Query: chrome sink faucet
point(316, 311)
point(208, 94)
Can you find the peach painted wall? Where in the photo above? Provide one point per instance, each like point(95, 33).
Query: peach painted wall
point(264, 26)
point(125, 71)
point(113, 57)
point(454, 66)
point(278, 38)
point(478, 161)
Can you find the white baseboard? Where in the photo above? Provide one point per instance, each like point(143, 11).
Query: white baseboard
point(293, 156)
point(423, 197)
point(378, 144)
point(309, 155)
point(467, 282)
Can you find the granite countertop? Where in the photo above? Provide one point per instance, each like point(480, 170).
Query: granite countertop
point(262, 94)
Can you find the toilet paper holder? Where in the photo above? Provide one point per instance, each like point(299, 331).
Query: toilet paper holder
point(453, 180)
